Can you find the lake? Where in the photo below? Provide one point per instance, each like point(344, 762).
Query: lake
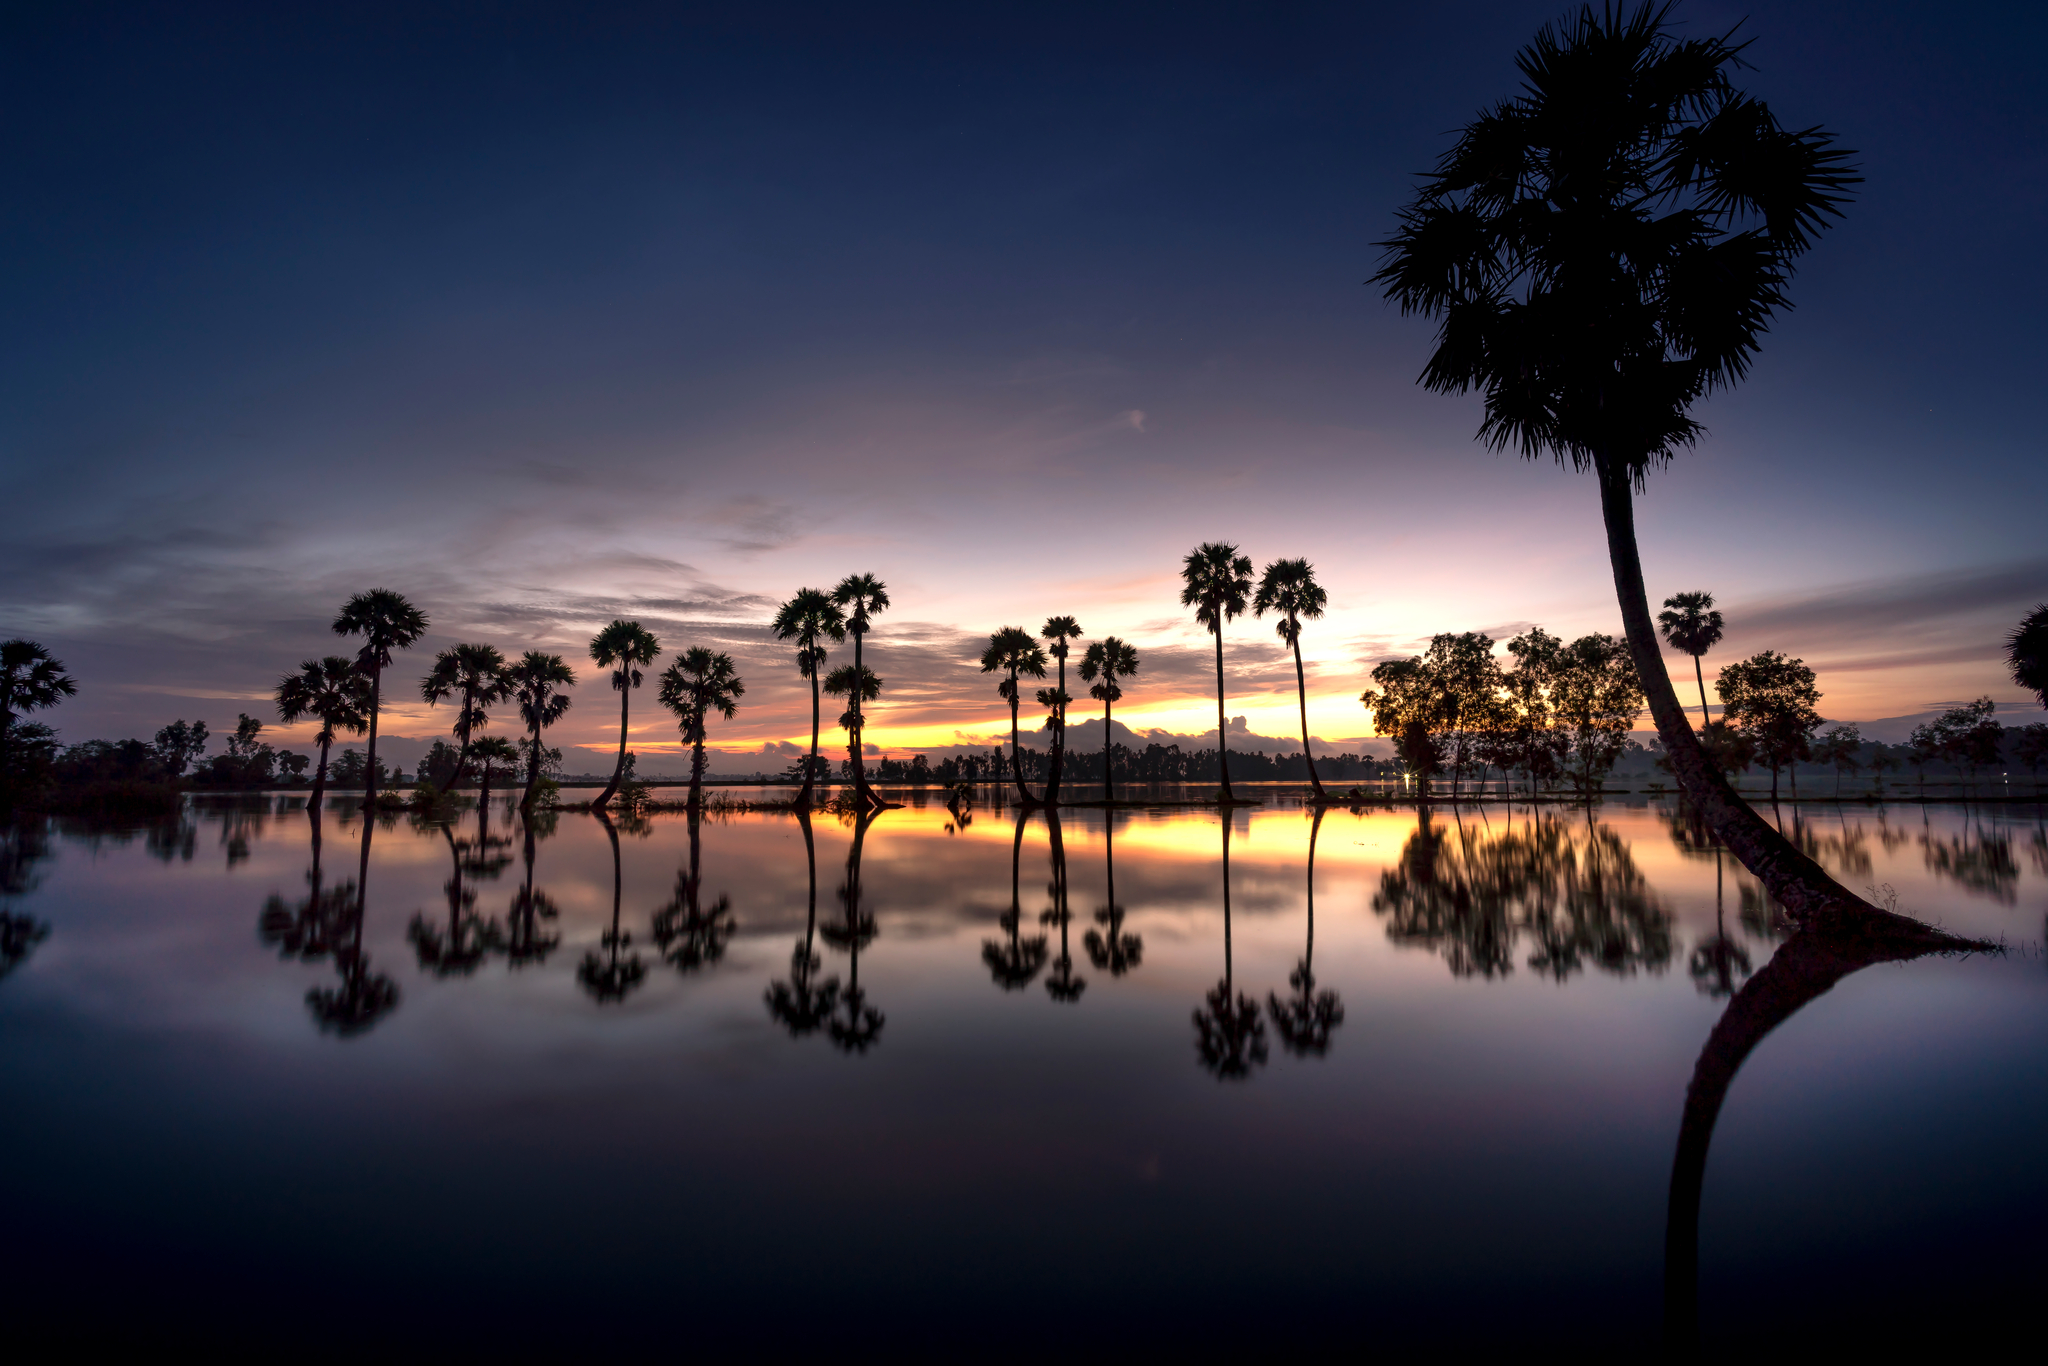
point(1132, 1081)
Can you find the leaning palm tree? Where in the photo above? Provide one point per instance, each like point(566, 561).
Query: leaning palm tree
point(476, 675)
point(1602, 251)
point(30, 680)
point(386, 622)
point(2026, 649)
point(623, 647)
point(1058, 630)
point(865, 595)
point(1107, 660)
point(537, 682)
point(1216, 581)
point(694, 687)
point(840, 683)
point(1289, 587)
point(1013, 650)
point(810, 619)
point(333, 690)
point(1690, 624)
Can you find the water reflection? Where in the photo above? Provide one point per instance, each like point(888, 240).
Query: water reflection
point(689, 934)
point(362, 997)
point(1230, 1037)
point(611, 975)
point(1111, 948)
point(1061, 983)
point(854, 1026)
point(527, 938)
point(802, 1004)
point(1306, 1019)
point(24, 847)
point(457, 950)
point(1014, 961)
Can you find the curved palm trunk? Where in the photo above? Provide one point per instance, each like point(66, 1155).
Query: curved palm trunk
point(1301, 691)
point(319, 792)
point(1799, 884)
point(370, 764)
point(803, 798)
point(618, 768)
point(1222, 750)
point(1059, 740)
point(1699, 676)
point(1308, 952)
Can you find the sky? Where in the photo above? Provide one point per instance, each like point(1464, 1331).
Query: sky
point(544, 316)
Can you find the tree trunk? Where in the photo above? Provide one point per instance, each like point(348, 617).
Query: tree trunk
point(370, 764)
point(1222, 750)
point(860, 772)
point(618, 768)
point(697, 771)
point(1108, 790)
point(1059, 738)
point(1301, 690)
point(532, 771)
point(1699, 676)
point(1016, 750)
point(320, 778)
point(803, 798)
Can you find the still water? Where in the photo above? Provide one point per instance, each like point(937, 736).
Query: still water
point(999, 1086)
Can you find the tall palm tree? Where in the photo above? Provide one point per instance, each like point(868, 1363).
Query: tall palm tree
point(624, 647)
point(386, 622)
point(694, 687)
point(1603, 250)
point(1107, 660)
point(31, 679)
point(537, 683)
point(336, 692)
point(1013, 650)
point(840, 683)
point(1216, 581)
point(1690, 624)
point(1289, 587)
point(1057, 630)
point(2026, 649)
point(810, 619)
point(476, 675)
point(865, 595)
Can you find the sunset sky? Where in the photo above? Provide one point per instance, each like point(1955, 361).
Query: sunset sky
point(545, 316)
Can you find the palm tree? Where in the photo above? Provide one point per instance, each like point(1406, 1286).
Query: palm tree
point(30, 680)
point(336, 692)
point(1306, 1019)
point(490, 752)
point(1690, 624)
point(1058, 630)
point(386, 622)
point(1107, 660)
point(866, 595)
point(1289, 587)
point(694, 687)
point(476, 674)
point(1216, 581)
point(1602, 251)
point(689, 936)
point(1013, 649)
point(623, 647)
point(810, 618)
point(2026, 649)
point(526, 942)
point(840, 683)
point(537, 682)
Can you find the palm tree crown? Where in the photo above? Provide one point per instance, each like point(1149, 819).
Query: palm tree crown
point(332, 689)
point(1689, 623)
point(623, 647)
point(2026, 649)
point(1108, 660)
point(31, 679)
point(385, 621)
point(695, 687)
point(1013, 651)
point(1289, 587)
point(537, 682)
point(866, 595)
point(476, 675)
point(810, 619)
point(1217, 582)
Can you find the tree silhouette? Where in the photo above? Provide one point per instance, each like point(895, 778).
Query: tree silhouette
point(695, 687)
point(624, 647)
point(866, 595)
point(611, 976)
point(2026, 651)
point(362, 997)
point(1014, 963)
point(1217, 581)
point(689, 935)
point(1771, 701)
point(31, 679)
point(23, 845)
point(1230, 1038)
point(855, 1026)
point(840, 683)
point(492, 753)
point(810, 619)
point(1289, 587)
point(386, 622)
point(537, 681)
point(1108, 660)
point(527, 940)
point(1057, 630)
point(1012, 651)
point(1061, 983)
point(457, 951)
point(1306, 1019)
point(334, 690)
point(1109, 948)
point(803, 1004)
point(1690, 624)
point(475, 674)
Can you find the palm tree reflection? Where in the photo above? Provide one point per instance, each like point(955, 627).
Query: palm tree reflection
point(1109, 948)
point(689, 935)
point(1230, 1038)
point(854, 1025)
point(1015, 963)
point(362, 997)
point(803, 1004)
point(458, 950)
point(612, 975)
point(1306, 1019)
point(527, 941)
point(23, 845)
point(1061, 984)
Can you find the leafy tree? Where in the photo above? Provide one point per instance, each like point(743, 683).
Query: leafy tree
point(179, 743)
point(1601, 251)
point(2026, 651)
point(1531, 741)
point(1217, 582)
point(1967, 736)
point(1057, 630)
point(1289, 587)
point(810, 619)
point(1839, 748)
point(1771, 699)
point(624, 647)
point(1306, 1019)
point(477, 676)
point(697, 686)
point(31, 679)
point(840, 683)
point(2030, 747)
point(331, 690)
point(865, 595)
point(491, 753)
point(1013, 651)
point(1438, 705)
point(386, 622)
point(537, 683)
point(1596, 695)
point(1108, 660)
point(1690, 625)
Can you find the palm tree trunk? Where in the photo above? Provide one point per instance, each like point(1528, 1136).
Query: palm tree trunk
point(1016, 751)
point(532, 770)
point(1699, 676)
point(1301, 690)
point(370, 764)
point(1059, 739)
point(697, 770)
point(320, 778)
point(1222, 751)
point(618, 768)
point(803, 798)
point(1798, 883)
point(1108, 791)
point(860, 769)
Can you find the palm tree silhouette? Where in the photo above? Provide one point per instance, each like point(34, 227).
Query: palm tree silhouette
point(695, 687)
point(31, 679)
point(1061, 983)
point(1289, 587)
point(623, 647)
point(362, 997)
point(525, 939)
point(491, 753)
point(608, 977)
point(1216, 581)
point(855, 1026)
point(1013, 650)
point(537, 682)
point(475, 674)
point(469, 937)
point(840, 683)
point(23, 845)
point(386, 622)
point(336, 692)
point(810, 619)
point(1602, 251)
point(1015, 963)
point(1110, 948)
point(689, 936)
point(1690, 624)
point(803, 1004)
point(1107, 660)
point(866, 595)
point(1230, 1038)
point(1058, 630)
point(2026, 650)
point(1306, 1019)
